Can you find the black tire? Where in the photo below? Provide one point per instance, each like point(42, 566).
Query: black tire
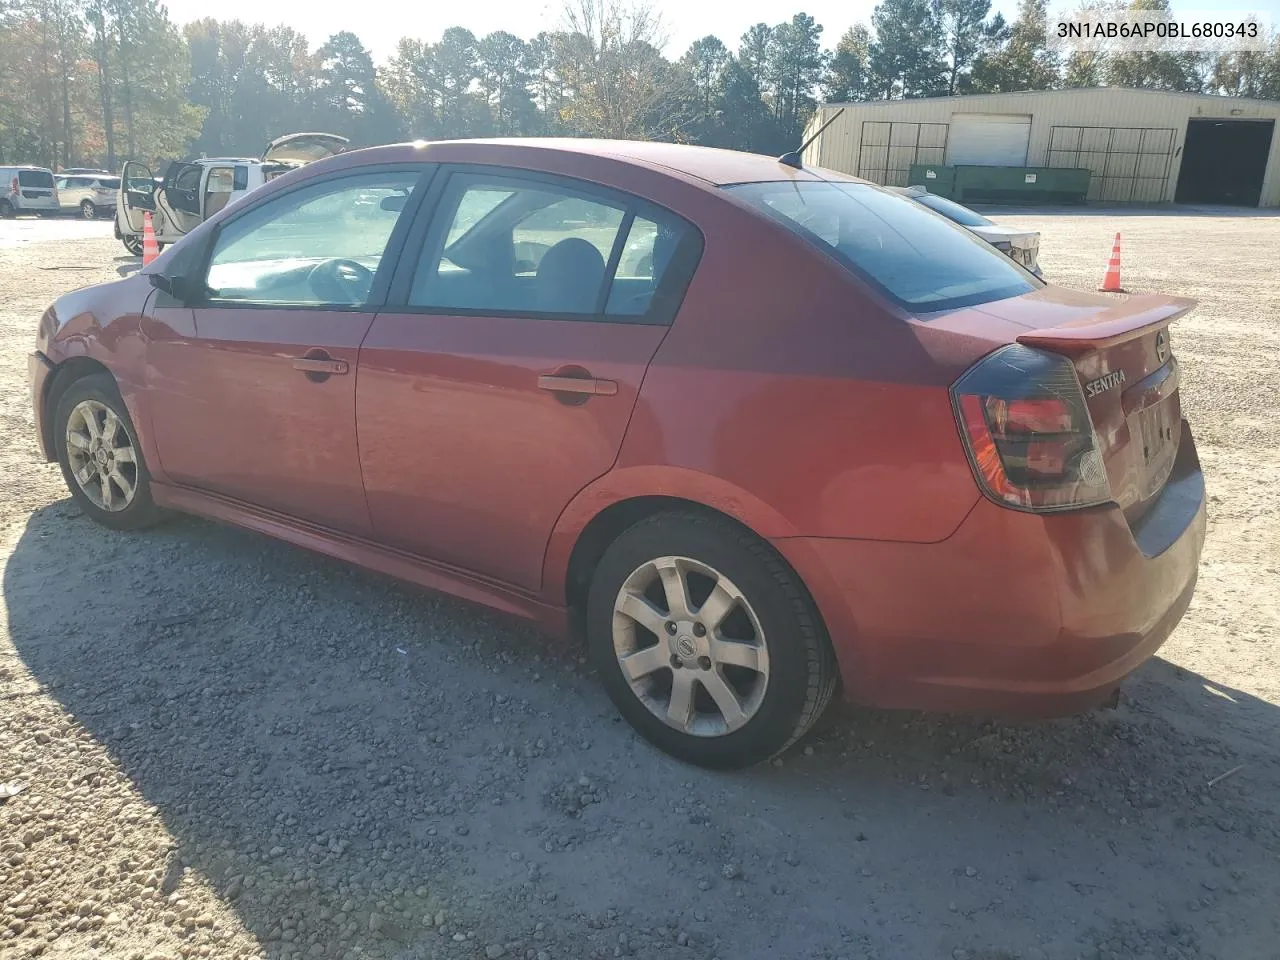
point(6, 210)
point(88, 211)
point(132, 243)
point(802, 669)
point(141, 511)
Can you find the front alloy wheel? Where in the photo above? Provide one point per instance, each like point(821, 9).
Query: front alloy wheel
point(706, 641)
point(100, 457)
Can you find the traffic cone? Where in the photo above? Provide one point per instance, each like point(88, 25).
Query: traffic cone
point(1111, 279)
point(150, 249)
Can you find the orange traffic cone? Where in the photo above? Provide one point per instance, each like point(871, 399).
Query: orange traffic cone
point(1111, 279)
point(150, 249)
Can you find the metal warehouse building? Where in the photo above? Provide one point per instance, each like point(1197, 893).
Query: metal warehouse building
point(1140, 146)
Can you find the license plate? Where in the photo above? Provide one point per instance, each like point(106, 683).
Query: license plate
point(1156, 430)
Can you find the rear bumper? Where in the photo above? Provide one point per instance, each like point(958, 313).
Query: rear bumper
point(1014, 613)
point(39, 370)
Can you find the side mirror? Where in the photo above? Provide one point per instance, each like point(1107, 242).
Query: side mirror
point(175, 287)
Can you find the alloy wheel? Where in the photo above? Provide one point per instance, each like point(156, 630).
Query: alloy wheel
point(88, 211)
point(101, 455)
point(690, 646)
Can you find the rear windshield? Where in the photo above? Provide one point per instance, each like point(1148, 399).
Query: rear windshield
point(35, 178)
point(917, 259)
point(952, 210)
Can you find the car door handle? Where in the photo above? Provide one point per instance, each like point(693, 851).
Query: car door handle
point(316, 365)
point(584, 386)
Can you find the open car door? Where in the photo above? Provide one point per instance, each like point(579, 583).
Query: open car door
point(179, 198)
point(137, 196)
point(296, 149)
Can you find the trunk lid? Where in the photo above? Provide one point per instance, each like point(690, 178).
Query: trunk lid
point(1123, 357)
point(300, 148)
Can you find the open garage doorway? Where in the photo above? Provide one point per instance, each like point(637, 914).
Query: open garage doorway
point(1224, 161)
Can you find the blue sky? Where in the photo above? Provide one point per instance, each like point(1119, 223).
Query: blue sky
point(380, 23)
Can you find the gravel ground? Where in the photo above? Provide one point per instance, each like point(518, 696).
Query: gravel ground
point(232, 748)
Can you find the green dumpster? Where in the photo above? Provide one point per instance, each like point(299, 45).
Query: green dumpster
point(933, 177)
point(1020, 184)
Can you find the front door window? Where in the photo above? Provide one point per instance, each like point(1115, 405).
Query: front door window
point(318, 246)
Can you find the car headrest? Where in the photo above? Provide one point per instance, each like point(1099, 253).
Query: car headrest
point(569, 277)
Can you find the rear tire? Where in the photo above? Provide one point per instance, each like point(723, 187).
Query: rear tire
point(88, 210)
point(100, 457)
point(747, 669)
point(6, 210)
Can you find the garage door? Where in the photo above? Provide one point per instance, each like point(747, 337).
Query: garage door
point(988, 139)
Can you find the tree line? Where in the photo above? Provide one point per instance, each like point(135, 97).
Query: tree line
point(89, 82)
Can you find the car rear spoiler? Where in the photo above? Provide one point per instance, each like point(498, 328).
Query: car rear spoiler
point(1128, 320)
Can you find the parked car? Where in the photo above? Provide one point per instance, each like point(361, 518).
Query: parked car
point(27, 190)
point(191, 191)
point(1022, 246)
point(90, 196)
point(767, 433)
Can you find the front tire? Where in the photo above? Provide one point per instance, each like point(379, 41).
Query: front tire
point(707, 643)
point(100, 457)
point(132, 243)
point(88, 211)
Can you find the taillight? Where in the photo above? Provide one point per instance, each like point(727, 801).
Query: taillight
point(1028, 432)
point(14, 187)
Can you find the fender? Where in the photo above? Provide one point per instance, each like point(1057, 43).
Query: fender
point(118, 346)
point(629, 483)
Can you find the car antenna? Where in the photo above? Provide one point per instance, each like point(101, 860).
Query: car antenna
point(793, 159)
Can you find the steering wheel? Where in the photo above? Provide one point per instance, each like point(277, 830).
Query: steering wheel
point(341, 281)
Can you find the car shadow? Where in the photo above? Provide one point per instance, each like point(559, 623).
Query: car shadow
point(330, 744)
point(129, 269)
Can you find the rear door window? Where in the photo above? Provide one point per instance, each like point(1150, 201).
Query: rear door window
point(918, 260)
point(36, 178)
point(552, 248)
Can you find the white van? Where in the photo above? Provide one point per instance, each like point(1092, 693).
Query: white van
point(27, 190)
point(195, 190)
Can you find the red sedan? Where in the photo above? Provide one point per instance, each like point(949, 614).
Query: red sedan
point(767, 431)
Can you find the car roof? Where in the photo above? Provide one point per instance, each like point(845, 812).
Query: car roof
point(710, 165)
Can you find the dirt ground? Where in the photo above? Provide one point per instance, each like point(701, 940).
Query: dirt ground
point(232, 748)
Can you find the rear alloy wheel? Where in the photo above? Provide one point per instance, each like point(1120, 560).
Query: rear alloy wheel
point(99, 455)
point(706, 642)
point(88, 210)
point(132, 243)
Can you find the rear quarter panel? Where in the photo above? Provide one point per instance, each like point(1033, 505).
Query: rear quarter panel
point(786, 380)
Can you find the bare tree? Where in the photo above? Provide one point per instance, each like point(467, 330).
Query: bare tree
point(624, 87)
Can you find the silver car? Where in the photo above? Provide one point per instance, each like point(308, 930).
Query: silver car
point(1022, 246)
point(90, 195)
